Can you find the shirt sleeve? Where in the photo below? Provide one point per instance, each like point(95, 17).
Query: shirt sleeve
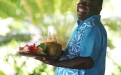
point(91, 43)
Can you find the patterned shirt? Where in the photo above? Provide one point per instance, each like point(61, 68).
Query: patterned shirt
point(88, 39)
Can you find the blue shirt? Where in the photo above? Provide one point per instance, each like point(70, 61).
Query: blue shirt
point(88, 39)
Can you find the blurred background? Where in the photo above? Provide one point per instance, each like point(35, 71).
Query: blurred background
point(27, 21)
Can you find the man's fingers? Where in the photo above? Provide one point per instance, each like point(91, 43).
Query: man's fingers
point(38, 58)
point(41, 58)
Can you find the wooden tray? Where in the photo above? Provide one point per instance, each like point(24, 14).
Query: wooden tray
point(36, 55)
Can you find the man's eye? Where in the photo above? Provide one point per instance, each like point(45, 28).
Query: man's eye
point(78, 5)
point(88, 3)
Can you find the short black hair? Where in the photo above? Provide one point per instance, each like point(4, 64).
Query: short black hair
point(100, 2)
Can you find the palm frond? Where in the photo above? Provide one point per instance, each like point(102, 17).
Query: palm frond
point(18, 37)
point(11, 9)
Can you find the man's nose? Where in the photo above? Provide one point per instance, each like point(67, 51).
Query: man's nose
point(82, 4)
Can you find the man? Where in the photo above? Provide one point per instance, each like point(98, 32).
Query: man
point(85, 52)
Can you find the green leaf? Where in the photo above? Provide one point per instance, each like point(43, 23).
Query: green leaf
point(43, 46)
point(2, 73)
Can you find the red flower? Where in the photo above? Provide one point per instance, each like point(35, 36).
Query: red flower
point(29, 48)
point(32, 48)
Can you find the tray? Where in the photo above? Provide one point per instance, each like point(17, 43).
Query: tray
point(36, 55)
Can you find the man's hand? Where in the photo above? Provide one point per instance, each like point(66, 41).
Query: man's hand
point(47, 60)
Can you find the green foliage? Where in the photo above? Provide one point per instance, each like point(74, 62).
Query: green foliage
point(110, 44)
point(114, 27)
point(2, 73)
point(15, 33)
point(18, 37)
point(9, 9)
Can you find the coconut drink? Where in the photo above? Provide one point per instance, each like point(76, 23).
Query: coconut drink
point(48, 46)
point(51, 47)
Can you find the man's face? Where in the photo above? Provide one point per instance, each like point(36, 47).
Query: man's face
point(86, 8)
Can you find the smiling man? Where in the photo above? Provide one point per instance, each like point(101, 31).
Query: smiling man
point(85, 52)
point(87, 8)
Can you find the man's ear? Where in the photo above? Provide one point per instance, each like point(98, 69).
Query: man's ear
point(99, 9)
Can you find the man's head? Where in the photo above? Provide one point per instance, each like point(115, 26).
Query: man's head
point(87, 8)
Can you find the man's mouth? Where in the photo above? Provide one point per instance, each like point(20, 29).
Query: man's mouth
point(81, 10)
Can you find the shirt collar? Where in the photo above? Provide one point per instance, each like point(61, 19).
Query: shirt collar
point(88, 19)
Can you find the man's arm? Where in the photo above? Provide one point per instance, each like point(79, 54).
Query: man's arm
point(74, 63)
